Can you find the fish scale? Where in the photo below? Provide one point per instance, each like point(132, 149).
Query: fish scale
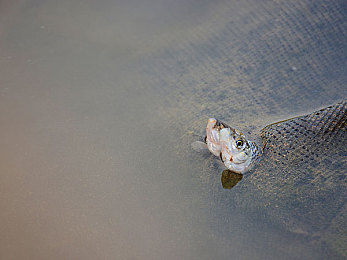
point(303, 169)
point(317, 130)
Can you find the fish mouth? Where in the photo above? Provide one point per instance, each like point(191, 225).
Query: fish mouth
point(219, 124)
point(212, 136)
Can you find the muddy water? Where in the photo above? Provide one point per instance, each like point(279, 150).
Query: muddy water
point(99, 102)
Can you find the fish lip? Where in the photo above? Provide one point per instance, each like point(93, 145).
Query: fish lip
point(212, 136)
point(222, 125)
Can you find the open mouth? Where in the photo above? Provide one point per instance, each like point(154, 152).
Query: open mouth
point(212, 136)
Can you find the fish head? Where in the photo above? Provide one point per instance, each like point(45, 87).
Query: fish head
point(236, 152)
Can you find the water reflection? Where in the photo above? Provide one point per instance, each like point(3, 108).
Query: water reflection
point(230, 179)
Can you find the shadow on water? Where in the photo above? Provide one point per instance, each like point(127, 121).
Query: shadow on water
point(229, 179)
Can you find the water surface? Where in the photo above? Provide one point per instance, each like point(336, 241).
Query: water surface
point(98, 103)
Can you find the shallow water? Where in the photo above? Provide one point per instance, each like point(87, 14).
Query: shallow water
point(100, 101)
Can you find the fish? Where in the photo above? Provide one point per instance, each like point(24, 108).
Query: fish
point(237, 153)
point(290, 139)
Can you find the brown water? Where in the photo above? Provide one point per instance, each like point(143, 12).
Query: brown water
point(97, 103)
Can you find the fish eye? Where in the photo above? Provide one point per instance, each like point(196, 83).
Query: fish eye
point(239, 143)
